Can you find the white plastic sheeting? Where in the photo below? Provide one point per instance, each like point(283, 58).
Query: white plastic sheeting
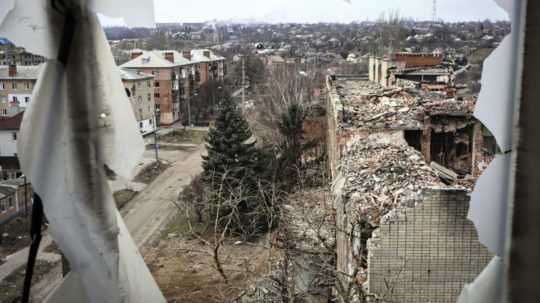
point(488, 209)
point(487, 287)
point(80, 121)
point(489, 203)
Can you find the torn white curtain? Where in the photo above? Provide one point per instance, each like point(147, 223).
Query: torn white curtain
point(79, 121)
point(495, 109)
point(489, 203)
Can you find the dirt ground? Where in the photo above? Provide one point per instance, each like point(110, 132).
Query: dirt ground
point(185, 269)
point(194, 136)
point(11, 286)
point(151, 172)
point(14, 236)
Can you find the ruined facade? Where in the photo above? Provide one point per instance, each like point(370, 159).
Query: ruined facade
point(402, 68)
point(402, 162)
point(426, 253)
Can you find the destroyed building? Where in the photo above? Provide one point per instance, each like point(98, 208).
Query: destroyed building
point(401, 68)
point(402, 163)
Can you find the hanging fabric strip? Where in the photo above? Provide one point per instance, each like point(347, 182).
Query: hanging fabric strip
point(81, 121)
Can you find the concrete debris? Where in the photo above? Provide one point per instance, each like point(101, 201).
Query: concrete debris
point(451, 107)
point(380, 176)
point(372, 107)
point(447, 175)
point(368, 105)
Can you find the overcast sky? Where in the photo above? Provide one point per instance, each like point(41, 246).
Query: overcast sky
point(319, 10)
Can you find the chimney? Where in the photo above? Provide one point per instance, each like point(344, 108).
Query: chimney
point(169, 56)
point(206, 54)
point(12, 71)
point(135, 54)
point(187, 54)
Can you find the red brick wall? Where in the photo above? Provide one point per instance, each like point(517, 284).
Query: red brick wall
point(418, 60)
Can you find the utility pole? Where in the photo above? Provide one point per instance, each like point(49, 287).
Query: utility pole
point(189, 110)
point(156, 119)
point(243, 82)
point(25, 196)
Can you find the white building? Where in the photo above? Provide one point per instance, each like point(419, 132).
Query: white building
point(140, 91)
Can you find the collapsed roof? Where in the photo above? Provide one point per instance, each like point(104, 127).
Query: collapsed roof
point(368, 105)
point(381, 172)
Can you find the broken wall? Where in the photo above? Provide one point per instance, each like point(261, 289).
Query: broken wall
point(426, 253)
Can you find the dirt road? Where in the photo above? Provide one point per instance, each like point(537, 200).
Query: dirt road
point(151, 208)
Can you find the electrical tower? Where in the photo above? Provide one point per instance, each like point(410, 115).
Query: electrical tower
point(434, 12)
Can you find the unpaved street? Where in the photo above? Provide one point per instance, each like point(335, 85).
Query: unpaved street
point(151, 208)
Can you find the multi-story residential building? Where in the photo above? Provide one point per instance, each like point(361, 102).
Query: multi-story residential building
point(9, 135)
point(18, 55)
point(209, 65)
point(166, 82)
point(177, 76)
point(140, 90)
point(16, 85)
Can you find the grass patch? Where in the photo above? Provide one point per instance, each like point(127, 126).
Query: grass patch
point(151, 172)
point(179, 226)
point(194, 136)
point(122, 197)
point(11, 286)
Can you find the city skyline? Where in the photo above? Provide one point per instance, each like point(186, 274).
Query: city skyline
point(342, 11)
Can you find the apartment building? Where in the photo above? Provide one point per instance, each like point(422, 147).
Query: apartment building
point(16, 85)
point(140, 90)
point(209, 65)
point(18, 55)
point(166, 81)
point(177, 76)
point(9, 135)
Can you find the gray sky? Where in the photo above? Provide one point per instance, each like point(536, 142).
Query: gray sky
point(319, 10)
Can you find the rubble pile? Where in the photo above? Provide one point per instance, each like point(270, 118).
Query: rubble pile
point(369, 106)
point(450, 107)
point(308, 218)
point(383, 176)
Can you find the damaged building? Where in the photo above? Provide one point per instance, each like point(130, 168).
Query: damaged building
point(403, 161)
point(411, 69)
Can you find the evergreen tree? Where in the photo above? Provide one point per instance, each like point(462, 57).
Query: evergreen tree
point(231, 155)
point(230, 173)
point(294, 144)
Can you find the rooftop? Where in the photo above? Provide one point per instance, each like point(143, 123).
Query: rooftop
point(178, 57)
point(156, 59)
point(130, 75)
point(148, 59)
point(368, 105)
point(198, 56)
point(11, 123)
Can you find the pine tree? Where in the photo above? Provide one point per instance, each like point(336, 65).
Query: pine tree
point(231, 155)
point(230, 172)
